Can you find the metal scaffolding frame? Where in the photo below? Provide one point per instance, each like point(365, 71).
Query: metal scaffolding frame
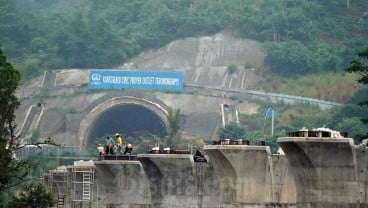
point(57, 183)
point(83, 181)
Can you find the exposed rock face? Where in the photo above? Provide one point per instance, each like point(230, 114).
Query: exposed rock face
point(205, 60)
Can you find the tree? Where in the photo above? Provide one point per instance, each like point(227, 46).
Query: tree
point(359, 65)
point(355, 127)
point(33, 196)
point(232, 68)
point(13, 171)
point(174, 125)
point(232, 131)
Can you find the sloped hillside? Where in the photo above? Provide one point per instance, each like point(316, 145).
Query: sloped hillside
point(205, 60)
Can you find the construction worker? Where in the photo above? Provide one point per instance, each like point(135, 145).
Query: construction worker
point(128, 149)
point(101, 151)
point(119, 142)
point(109, 148)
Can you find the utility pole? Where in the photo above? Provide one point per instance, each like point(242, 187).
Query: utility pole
point(273, 114)
point(273, 121)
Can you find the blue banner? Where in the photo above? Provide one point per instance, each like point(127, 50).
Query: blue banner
point(123, 79)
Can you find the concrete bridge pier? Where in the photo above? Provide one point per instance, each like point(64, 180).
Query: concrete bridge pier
point(328, 172)
point(171, 179)
point(284, 191)
point(207, 186)
point(361, 168)
point(224, 169)
point(121, 183)
point(248, 177)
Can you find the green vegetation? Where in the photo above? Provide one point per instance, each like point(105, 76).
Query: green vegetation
point(296, 58)
point(335, 87)
point(308, 43)
point(232, 68)
point(300, 37)
point(173, 129)
point(248, 65)
point(356, 112)
point(312, 38)
point(287, 118)
point(350, 117)
point(232, 131)
point(14, 173)
point(33, 196)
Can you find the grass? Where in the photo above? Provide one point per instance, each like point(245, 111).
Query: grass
point(232, 68)
point(336, 87)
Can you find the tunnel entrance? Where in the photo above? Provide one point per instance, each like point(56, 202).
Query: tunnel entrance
point(127, 119)
point(127, 115)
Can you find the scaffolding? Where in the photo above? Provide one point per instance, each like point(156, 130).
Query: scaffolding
point(83, 181)
point(57, 183)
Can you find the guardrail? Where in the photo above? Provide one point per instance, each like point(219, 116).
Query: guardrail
point(188, 89)
point(254, 95)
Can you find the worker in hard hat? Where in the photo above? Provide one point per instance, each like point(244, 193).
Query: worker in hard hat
point(119, 142)
point(128, 149)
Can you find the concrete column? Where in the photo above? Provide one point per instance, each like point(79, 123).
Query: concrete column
point(171, 179)
point(361, 168)
point(247, 175)
point(120, 183)
point(325, 171)
point(284, 191)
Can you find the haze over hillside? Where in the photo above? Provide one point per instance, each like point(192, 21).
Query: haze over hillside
point(202, 113)
point(254, 72)
point(204, 62)
point(308, 43)
point(300, 37)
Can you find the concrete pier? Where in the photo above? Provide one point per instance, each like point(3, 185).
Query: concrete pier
point(121, 183)
point(248, 176)
point(171, 179)
point(328, 172)
point(314, 172)
point(283, 184)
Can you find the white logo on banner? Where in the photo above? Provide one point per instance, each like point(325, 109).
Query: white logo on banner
point(96, 77)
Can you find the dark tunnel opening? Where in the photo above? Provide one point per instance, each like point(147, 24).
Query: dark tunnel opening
point(127, 119)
